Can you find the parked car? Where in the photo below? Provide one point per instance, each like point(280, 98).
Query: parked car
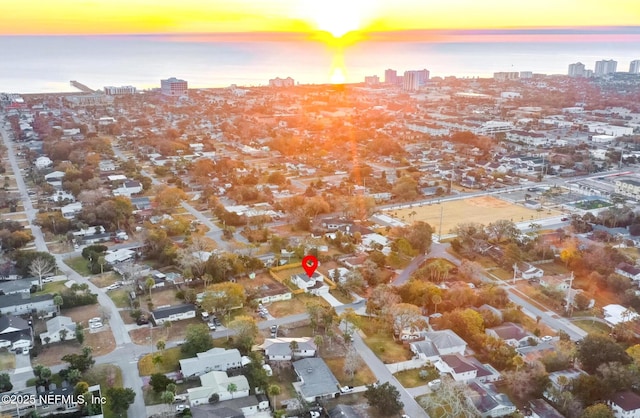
point(95, 325)
point(547, 338)
point(47, 280)
point(180, 408)
point(346, 389)
point(95, 319)
point(113, 286)
point(216, 321)
point(143, 320)
point(434, 384)
point(211, 326)
point(179, 398)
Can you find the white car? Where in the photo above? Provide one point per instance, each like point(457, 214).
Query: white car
point(346, 389)
point(47, 280)
point(95, 325)
point(95, 319)
point(180, 408)
point(547, 338)
point(113, 286)
point(434, 384)
point(179, 398)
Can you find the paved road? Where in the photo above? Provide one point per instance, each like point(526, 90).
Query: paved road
point(120, 334)
point(548, 317)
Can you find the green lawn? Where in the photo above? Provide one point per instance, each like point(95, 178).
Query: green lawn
point(52, 288)
point(79, 264)
point(412, 379)
point(120, 297)
point(154, 398)
point(381, 342)
point(170, 358)
point(341, 296)
point(593, 327)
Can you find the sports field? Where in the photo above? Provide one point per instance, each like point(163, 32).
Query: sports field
point(484, 210)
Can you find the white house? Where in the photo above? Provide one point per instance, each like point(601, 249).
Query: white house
point(438, 343)
point(174, 313)
point(490, 402)
point(457, 367)
point(218, 382)
point(71, 210)
point(119, 256)
point(278, 349)
point(43, 162)
point(511, 333)
point(629, 271)
point(128, 188)
point(625, 404)
point(314, 284)
point(60, 328)
point(615, 314)
point(215, 359)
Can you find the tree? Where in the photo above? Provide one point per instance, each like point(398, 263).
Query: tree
point(352, 362)
point(246, 331)
point(58, 301)
point(598, 410)
point(167, 397)
point(120, 399)
point(82, 362)
point(5, 382)
point(168, 198)
point(73, 376)
point(43, 376)
point(385, 398)
point(63, 334)
point(452, 398)
point(596, 350)
point(80, 334)
point(527, 381)
point(419, 235)
point(197, 340)
point(222, 297)
point(294, 347)
point(274, 390)
point(232, 388)
point(159, 382)
point(160, 345)
point(382, 298)
point(406, 317)
point(214, 398)
point(41, 267)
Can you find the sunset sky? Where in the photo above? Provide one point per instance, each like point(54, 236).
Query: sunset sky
point(307, 16)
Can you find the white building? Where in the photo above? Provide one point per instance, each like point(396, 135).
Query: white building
point(60, 328)
point(634, 67)
point(220, 383)
point(174, 87)
point(615, 314)
point(43, 162)
point(605, 67)
point(117, 91)
point(576, 70)
point(625, 404)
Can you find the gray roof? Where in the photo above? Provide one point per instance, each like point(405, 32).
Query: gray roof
point(281, 346)
point(318, 380)
point(215, 411)
point(18, 299)
point(59, 322)
point(13, 286)
point(436, 341)
point(162, 313)
point(215, 359)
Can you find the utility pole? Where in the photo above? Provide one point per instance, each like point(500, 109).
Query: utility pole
point(440, 227)
point(569, 298)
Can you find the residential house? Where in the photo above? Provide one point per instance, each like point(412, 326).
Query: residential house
point(556, 381)
point(26, 304)
point(59, 328)
point(277, 349)
point(215, 359)
point(11, 287)
point(312, 284)
point(15, 332)
point(174, 313)
point(119, 256)
point(533, 353)
point(316, 381)
point(464, 369)
point(625, 404)
point(615, 314)
point(490, 402)
point(560, 282)
point(227, 387)
point(528, 271)
point(71, 210)
point(232, 408)
point(511, 333)
point(128, 188)
point(272, 292)
point(629, 271)
point(539, 408)
point(141, 203)
point(43, 162)
point(338, 274)
point(438, 343)
point(55, 178)
point(106, 165)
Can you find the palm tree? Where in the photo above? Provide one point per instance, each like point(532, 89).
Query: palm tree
point(160, 345)
point(274, 390)
point(58, 301)
point(318, 340)
point(436, 299)
point(167, 326)
point(149, 283)
point(232, 388)
point(293, 346)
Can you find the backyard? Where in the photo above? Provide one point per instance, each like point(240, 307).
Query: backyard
point(381, 342)
point(415, 377)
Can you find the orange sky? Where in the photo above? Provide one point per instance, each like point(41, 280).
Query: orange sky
point(335, 16)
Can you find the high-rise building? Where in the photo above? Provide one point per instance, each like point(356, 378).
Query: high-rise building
point(413, 80)
point(634, 67)
point(372, 80)
point(281, 82)
point(390, 76)
point(118, 91)
point(174, 87)
point(605, 67)
point(526, 74)
point(576, 70)
point(506, 75)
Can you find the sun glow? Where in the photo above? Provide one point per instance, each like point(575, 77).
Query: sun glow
point(338, 17)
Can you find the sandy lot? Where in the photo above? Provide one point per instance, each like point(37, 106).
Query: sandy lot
point(484, 210)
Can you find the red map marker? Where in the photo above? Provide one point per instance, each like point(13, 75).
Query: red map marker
point(310, 264)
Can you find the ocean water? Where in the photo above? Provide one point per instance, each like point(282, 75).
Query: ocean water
point(46, 64)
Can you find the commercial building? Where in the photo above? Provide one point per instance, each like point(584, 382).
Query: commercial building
point(413, 80)
point(174, 87)
point(634, 67)
point(506, 75)
point(605, 67)
point(372, 80)
point(576, 70)
point(119, 91)
point(281, 82)
point(390, 76)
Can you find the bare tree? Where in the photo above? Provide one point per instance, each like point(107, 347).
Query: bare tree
point(193, 258)
point(41, 267)
point(454, 398)
point(352, 361)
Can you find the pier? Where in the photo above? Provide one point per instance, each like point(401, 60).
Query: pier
point(81, 87)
